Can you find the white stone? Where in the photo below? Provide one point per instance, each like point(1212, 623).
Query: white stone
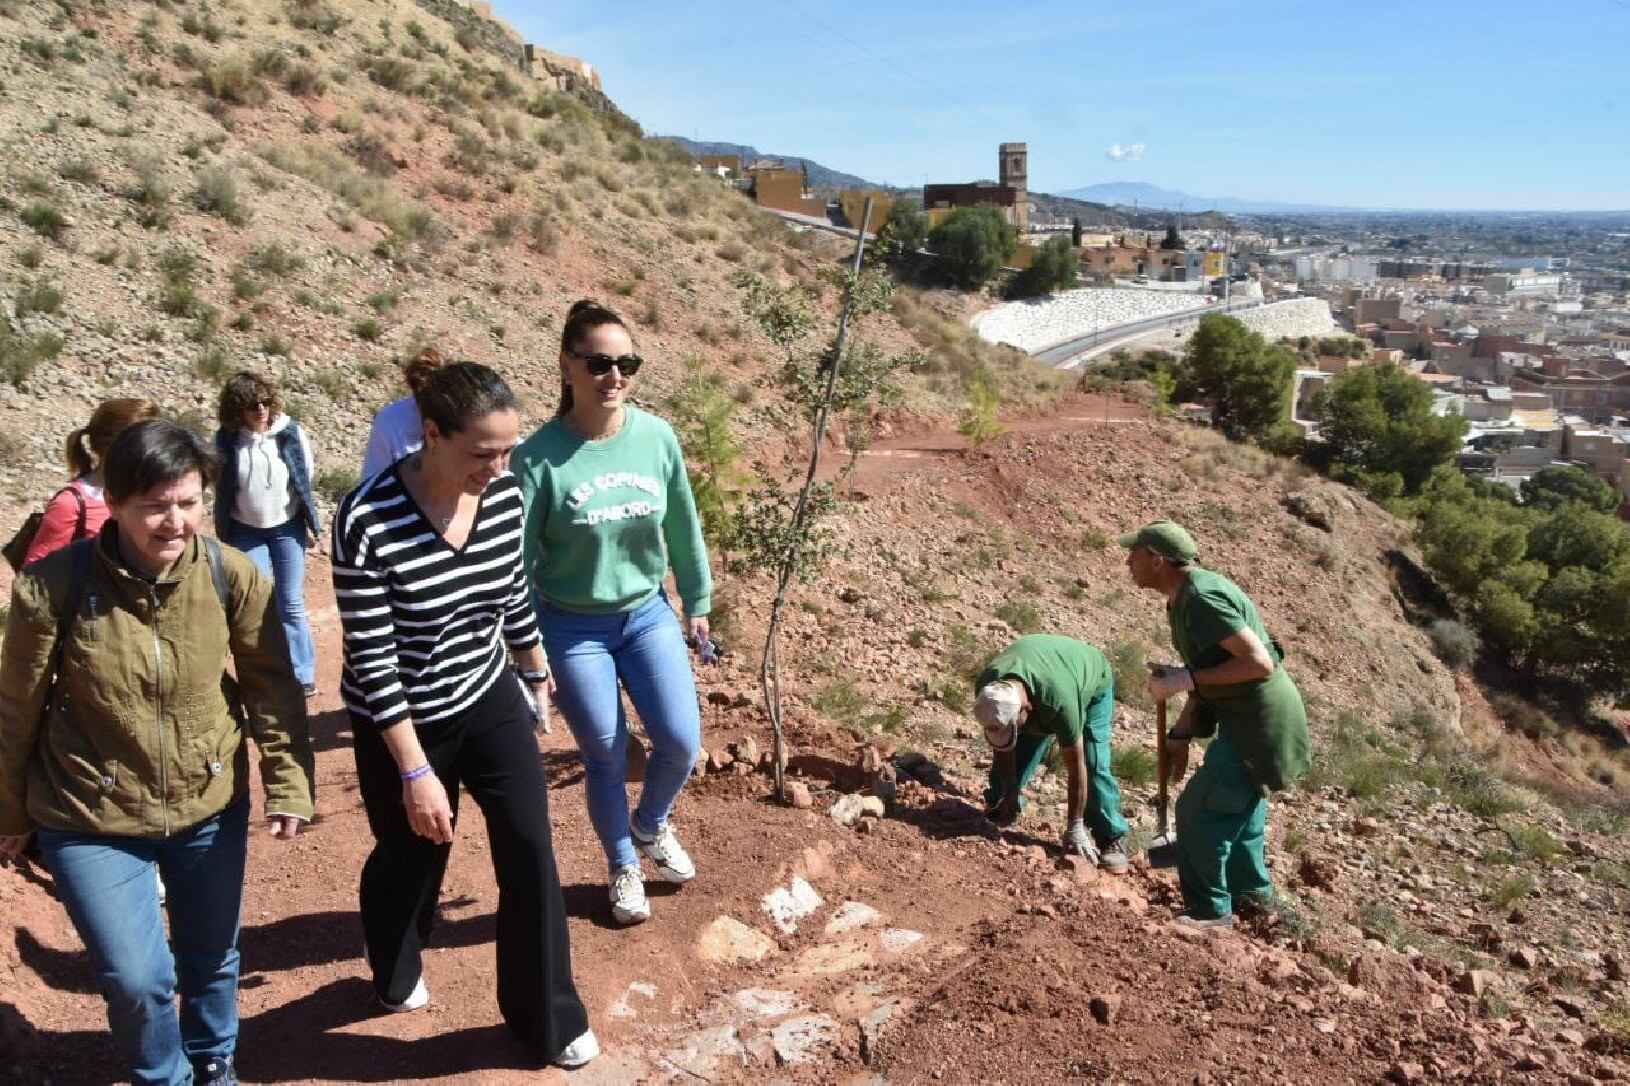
point(729, 940)
point(852, 915)
point(896, 940)
point(765, 1002)
point(799, 1040)
point(703, 1051)
point(624, 1007)
point(791, 903)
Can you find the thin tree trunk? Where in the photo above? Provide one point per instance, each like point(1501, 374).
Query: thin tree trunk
point(770, 670)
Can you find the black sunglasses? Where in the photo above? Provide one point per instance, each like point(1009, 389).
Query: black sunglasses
point(600, 364)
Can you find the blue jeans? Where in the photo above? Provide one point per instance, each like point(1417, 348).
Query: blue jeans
point(280, 553)
point(644, 649)
point(106, 884)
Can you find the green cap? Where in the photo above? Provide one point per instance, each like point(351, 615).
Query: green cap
point(1165, 538)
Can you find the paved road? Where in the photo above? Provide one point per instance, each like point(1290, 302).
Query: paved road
point(1060, 355)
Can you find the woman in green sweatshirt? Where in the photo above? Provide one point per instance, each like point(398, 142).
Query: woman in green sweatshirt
point(609, 511)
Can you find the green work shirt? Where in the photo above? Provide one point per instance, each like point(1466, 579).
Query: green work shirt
point(1063, 676)
point(1264, 719)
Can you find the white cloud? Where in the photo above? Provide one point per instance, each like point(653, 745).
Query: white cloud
point(1132, 152)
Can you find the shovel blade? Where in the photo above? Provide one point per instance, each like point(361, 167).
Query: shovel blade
point(1162, 848)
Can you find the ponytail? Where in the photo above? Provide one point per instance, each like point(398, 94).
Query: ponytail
point(78, 456)
point(583, 317)
point(88, 446)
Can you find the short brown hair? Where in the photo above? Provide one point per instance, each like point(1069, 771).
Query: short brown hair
point(88, 446)
point(240, 394)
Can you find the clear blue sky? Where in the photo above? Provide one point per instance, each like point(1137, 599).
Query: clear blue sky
point(1419, 103)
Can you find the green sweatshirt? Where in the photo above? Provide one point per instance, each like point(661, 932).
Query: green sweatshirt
point(606, 519)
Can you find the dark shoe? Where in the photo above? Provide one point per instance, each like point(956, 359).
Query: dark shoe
point(1113, 858)
point(215, 1072)
point(1224, 922)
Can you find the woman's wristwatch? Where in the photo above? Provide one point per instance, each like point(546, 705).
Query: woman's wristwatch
point(533, 678)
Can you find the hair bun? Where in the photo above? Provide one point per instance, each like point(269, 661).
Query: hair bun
point(583, 305)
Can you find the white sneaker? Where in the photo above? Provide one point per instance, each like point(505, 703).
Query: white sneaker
point(664, 850)
point(628, 902)
point(579, 1052)
point(416, 999)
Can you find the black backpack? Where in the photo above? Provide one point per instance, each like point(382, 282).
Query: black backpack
point(17, 549)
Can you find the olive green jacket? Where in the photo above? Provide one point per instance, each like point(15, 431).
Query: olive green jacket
point(140, 739)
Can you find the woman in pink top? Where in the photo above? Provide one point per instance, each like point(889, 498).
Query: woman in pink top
point(78, 510)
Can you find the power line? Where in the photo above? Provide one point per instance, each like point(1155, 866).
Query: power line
point(892, 68)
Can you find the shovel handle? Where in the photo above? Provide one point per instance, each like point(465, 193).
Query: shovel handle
point(1161, 766)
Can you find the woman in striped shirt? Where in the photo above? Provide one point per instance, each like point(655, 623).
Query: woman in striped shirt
point(427, 575)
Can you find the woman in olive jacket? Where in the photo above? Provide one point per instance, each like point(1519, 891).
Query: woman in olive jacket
point(134, 754)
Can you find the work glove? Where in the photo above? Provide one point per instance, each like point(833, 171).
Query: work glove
point(1166, 681)
point(1077, 842)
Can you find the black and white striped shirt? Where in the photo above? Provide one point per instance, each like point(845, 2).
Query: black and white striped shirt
point(426, 625)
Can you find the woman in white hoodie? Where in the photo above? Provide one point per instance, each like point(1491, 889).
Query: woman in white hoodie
point(263, 502)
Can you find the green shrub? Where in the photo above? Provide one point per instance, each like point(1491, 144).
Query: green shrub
point(368, 329)
point(213, 364)
point(231, 80)
point(44, 219)
point(31, 257)
point(1455, 643)
point(178, 264)
point(334, 384)
point(1021, 615)
point(217, 194)
point(274, 260)
point(1510, 890)
point(276, 346)
point(39, 296)
point(336, 483)
point(20, 354)
point(1533, 843)
point(245, 286)
point(304, 80)
point(81, 170)
point(179, 299)
point(1129, 661)
point(1133, 764)
point(839, 701)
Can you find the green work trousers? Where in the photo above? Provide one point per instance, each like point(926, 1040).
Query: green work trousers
point(1222, 821)
point(1103, 813)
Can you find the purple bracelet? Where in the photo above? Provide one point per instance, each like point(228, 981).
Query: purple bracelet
point(415, 774)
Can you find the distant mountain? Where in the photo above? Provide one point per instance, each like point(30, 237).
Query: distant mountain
point(1145, 195)
point(820, 177)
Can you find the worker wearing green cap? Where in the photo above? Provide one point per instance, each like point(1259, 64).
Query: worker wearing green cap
point(1043, 689)
point(1240, 693)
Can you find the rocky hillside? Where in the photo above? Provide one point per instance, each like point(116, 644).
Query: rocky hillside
point(315, 188)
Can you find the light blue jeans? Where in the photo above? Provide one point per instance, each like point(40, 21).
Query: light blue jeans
point(280, 553)
point(106, 884)
point(643, 651)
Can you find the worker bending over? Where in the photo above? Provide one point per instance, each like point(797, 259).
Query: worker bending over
point(1044, 689)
